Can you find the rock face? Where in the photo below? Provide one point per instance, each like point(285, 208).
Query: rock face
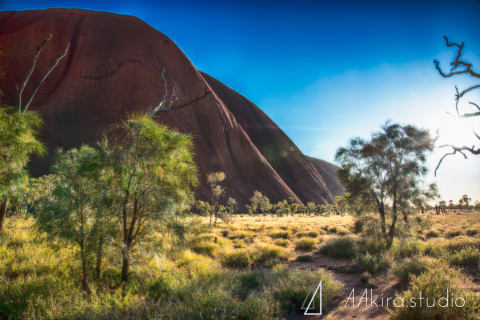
point(114, 68)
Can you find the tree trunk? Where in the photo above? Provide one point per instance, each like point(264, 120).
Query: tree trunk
point(382, 221)
point(3, 214)
point(405, 217)
point(99, 259)
point(84, 267)
point(391, 232)
point(125, 269)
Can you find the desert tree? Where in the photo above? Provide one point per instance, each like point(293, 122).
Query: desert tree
point(311, 207)
point(465, 201)
point(231, 205)
point(153, 174)
point(381, 169)
point(477, 205)
point(460, 67)
point(69, 214)
point(217, 192)
point(18, 141)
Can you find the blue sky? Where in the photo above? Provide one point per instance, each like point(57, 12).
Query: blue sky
point(326, 71)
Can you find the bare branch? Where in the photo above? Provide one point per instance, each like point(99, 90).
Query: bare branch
point(54, 65)
point(454, 151)
point(20, 89)
point(456, 63)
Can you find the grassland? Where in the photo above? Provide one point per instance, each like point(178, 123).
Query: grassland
point(254, 267)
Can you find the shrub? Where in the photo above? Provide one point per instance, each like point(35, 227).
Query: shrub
point(282, 242)
point(372, 263)
point(239, 259)
point(358, 225)
point(281, 235)
point(404, 249)
point(466, 258)
point(342, 231)
point(205, 248)
point(268, 255)
point(339, 248)
point(432, 285)
point(292, 286)
point(461, 243)
point(311, 234)
point(305, 258)
point(415, 266)
point(365, 278)
point(453, 233)
point(242, 235)
point(433, 234)
point(305, 244)
point(434, 249)
point(471, 232)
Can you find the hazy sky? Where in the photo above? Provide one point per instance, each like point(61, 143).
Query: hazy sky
point(326, 71)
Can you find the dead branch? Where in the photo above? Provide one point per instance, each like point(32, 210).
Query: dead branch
point(456, 63)
point(454, 151)
point(54, 65)
point(467, 69)
point(21, 88)
point(168, 100)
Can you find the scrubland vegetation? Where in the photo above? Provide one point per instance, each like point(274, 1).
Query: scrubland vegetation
point(213, 273)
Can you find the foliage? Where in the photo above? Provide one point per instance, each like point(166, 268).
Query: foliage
point(339, 248)
point(18, 142)
point(433, 285)
point(387, 169)
point(305, 244)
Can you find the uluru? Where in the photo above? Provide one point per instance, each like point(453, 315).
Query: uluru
point(115, 66)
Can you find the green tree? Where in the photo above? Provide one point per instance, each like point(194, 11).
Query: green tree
point(152, 178)
point(311, 207)
point(231, 206)
point(18, 142)
point(466, 200)
point(383, 168)
point(69, 214)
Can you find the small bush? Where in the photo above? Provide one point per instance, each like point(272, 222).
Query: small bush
point(342, 231)
point(466, 258)
point(414, 267)
point(291, 287)
point(282, 242)
point(372, 263)
point(365, 278)
point(434, 249)
point(432, 285)
point(305, 244)
point(358, 225)
point(311, 234)
point(239, 259)
point(205, 248)
point(403, 249)
point(305, 258)
point(339, 248)
point(433, 234)
point(453, 233)
point(471, 232)
point(269, 255)
point(281, 235)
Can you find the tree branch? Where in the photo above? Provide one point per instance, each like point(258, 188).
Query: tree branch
point(54, 65)
point(454, 151)
point(20, 89)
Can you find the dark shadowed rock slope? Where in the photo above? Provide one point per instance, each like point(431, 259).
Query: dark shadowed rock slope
point(114, 68)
